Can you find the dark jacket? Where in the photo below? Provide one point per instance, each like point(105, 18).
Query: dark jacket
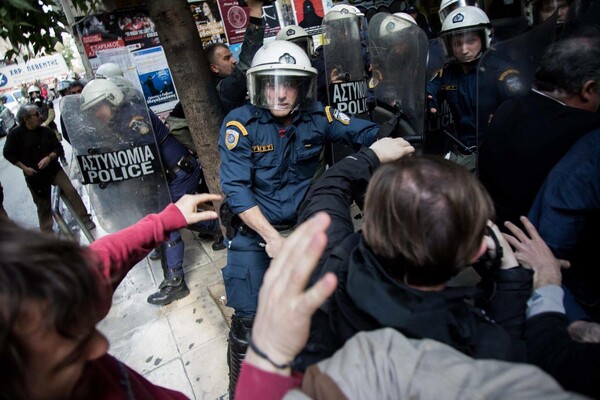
point(576, 366)
point(232, 89)
point(30, 147)
point(525, 139)
point(368, 298)
point(566, 213)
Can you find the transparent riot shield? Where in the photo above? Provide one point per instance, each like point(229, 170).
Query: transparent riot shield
point(345, 72)
point(399, 75)
point(344, 63)
point(118, 158)
point(507, 71)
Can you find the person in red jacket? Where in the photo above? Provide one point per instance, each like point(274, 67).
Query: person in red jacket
point(53, 294)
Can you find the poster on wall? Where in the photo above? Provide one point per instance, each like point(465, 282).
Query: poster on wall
point(132, 28)
point(309, 15)
point(155, 78)
point(208, 22)
point(133, 31)
point(235, 19)
point(287, 12)
point(138, 30)
point(271, 20)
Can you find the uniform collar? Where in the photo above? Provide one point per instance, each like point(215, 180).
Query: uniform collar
point(266, 117)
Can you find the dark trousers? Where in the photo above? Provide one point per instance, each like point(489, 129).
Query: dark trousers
point(44, 202)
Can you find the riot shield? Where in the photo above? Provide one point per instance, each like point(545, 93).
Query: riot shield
point(399, 75)
point(507, 71)
point(344, 63)
point(119, 160)
point(345, 72)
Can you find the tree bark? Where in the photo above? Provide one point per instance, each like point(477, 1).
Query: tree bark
point(193, 79)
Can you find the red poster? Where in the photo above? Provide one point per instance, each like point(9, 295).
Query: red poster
point(235, 19)
point(309, 14)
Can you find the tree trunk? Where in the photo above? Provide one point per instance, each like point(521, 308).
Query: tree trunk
point(179, 37)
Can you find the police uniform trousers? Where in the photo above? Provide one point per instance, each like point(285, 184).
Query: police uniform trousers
point(183, 183)
point(247, 263)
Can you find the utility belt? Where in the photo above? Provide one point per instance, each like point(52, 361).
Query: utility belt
point(233, 224)
point(185, 163)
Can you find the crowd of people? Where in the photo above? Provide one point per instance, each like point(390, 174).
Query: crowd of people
point(322, 310)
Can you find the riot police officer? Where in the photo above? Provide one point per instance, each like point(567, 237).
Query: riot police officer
point(298, 35)
point(269, 153)
point(46, 108)
point(467, 34)
point(447, 6)
point(110, 106)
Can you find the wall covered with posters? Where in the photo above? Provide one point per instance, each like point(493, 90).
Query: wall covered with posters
point(133, 30)
point(217, 21)
point(224, 21)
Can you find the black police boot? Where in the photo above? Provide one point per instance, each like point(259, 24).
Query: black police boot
point(169, 290)
point(236, 349)
point(218, 243)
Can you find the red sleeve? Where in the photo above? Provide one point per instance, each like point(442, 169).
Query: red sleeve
point(255, 383)
point(116, 254)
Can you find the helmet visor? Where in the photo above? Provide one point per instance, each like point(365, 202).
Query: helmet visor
point(282, 91)
point(465, 45)
point(443, 13)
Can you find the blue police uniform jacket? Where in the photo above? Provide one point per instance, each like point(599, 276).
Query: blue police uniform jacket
point(171, 150)
point(269, 166)
point(460, 90)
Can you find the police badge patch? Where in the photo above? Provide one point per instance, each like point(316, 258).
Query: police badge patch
point(138, 124)
point(231, 138)
point(514, 84)
point(340, 116)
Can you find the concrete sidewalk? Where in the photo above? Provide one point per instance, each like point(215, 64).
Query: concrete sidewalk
point(183, 345)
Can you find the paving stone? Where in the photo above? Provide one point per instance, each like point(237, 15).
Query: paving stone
point(138, 280)
point(172, 375)
point(212, 254)
point(207, 369)
point(147, 347)
point(196, 324)
point(154, 340)
point(129, 315)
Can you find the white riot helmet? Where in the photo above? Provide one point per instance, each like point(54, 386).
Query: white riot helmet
point(99, 90)
point(447, 6)
point(33, 89)
point(281, 64)
point(63, 86)
point(460, 26)
point(108, 70)
point(405, 17)
point(346, 8)
point(122, 83)
point(297, 34)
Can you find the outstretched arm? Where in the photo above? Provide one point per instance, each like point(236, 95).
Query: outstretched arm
point(575, 366)
point(119, 252)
